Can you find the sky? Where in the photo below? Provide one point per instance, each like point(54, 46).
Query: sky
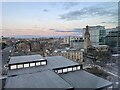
point(56, 18)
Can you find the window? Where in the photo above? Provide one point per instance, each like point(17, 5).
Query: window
point(74, 68)
point(37, 63)
point(20, 66)
point(70, 69)
point(26, 65)
point(60, 71)
point(78, 67)
point(43, 63)
point(56, 71)
point(13, 67)
point(110, 87)
point(65, 70)
point(32, 64)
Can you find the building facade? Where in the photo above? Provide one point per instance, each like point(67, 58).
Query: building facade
point(110, 30)
point(97, 35)
point(113, 40)
point(70, 39)
point(35, 71)
point(76, 42)
point(72, 55)
point(86, 38)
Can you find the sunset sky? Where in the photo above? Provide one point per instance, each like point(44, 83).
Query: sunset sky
point(56, 19)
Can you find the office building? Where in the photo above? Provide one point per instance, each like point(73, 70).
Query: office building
point(113, 40)
point(110, 30)
point(74, 41)
point(97, 35)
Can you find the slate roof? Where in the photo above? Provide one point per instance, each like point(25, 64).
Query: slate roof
point(26, 58)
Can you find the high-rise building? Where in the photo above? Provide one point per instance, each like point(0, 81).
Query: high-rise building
point(113, 40)
point(110, 30)
point(97, 35)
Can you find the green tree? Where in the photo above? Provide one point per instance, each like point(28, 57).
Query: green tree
point(3, 45)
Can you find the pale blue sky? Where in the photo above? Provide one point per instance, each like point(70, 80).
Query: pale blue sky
point(42, 18)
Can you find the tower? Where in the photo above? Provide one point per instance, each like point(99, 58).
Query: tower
point(86, 38)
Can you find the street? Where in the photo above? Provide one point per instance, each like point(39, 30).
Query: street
point(112, 70)
point(4, 55)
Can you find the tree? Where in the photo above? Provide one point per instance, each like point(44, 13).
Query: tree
point(3, 45)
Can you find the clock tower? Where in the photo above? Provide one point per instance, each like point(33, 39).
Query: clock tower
point(86, 38)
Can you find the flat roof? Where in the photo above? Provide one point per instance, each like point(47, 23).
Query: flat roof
point(52, 63)
point(100, 45)
point(26, 58)
point(83, 79)
point(44, 79)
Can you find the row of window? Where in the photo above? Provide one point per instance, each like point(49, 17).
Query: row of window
point(32, 64)
point(68, 69)
point(71, 56)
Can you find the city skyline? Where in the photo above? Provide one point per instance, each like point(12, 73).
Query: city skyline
point(56, 18)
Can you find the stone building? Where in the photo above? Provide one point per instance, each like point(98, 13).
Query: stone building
point(74, 55)
point(86, 38)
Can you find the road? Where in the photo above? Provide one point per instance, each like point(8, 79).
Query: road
point(112, 70)
point(4, 55)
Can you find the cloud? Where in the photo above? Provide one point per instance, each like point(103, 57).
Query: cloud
point(110, 22)
point(68, 5)
point(92, 11)
point(64, 31)
point(45, 10)
point(52, 29)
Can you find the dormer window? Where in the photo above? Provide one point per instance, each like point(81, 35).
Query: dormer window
point(37, 63)
point(78, 67)
point(20, 66)
point(74, 68)
point(70, 69)
point(32, 64)
point(26, 61)
point(43, 63)
point(60, 71)
point(26, 65)
point(13, 67)
point(65, 70)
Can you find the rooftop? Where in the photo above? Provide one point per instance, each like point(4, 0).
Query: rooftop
point(52, 63)
point(69, 75)
point(26, 58)
point(44, 79)
point(100, 45)
point(83, 79)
